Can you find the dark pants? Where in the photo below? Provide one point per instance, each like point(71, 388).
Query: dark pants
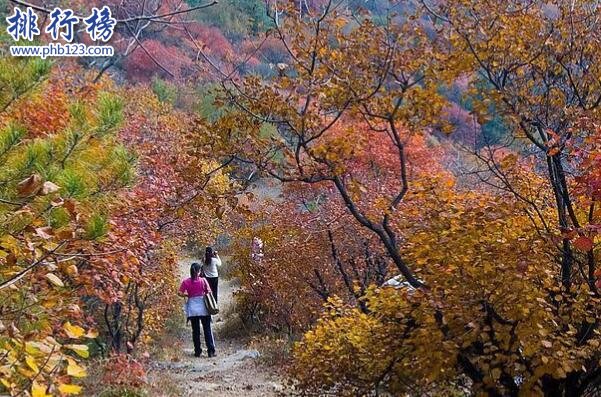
point(206, 327)
point(214, 284)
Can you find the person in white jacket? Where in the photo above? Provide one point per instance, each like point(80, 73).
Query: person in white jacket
point(209, 268)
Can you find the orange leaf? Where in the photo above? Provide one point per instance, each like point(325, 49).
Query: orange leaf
point(29, 186)
point(220, 211)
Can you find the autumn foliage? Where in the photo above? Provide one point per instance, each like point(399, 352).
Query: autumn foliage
point(424, 177)
point(54, 200)
point(495, 241)
point(94, 202)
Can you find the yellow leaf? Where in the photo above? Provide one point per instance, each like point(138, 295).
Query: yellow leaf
point(37, 347)
point(25, 371)
point(10, 243)
point(54, 280)
point(69, 389)
point(32, 364)
point(73, 331)
point(73, 369)
point(81, 350)
point(32, 347)
point(38, 390)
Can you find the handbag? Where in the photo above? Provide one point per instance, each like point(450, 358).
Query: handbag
point(210, 302)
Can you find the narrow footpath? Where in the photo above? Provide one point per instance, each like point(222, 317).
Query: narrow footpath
point(236, 371)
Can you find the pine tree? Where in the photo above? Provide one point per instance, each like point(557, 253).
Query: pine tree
point(60, 166)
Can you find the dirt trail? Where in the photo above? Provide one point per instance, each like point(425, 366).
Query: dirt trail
point(236, 371)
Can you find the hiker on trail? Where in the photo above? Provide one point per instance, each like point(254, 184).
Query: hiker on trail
point(209, 267)
point(195, 288)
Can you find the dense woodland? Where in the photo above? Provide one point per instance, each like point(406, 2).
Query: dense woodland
point(424, 177)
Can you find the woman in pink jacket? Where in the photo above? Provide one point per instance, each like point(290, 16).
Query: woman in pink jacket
point(195, 288)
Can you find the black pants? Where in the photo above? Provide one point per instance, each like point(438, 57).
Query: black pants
point(214, 284)
point(208, 333)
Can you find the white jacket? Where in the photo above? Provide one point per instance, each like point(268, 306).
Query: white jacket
point(211, 270)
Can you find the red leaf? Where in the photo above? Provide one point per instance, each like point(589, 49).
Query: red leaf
point(583, 243)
